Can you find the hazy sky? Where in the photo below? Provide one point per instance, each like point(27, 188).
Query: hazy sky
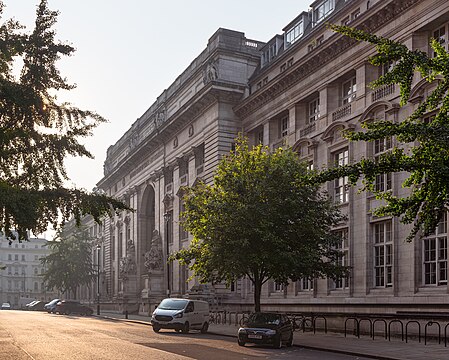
point(129, 52)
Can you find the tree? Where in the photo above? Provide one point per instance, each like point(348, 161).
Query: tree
point(427, 160)
point(69, 263)
point(261, 220)
point(37, 133)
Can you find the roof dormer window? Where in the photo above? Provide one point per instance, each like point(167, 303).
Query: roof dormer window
point(322, 10)
point(294, 33)
point(269, 54)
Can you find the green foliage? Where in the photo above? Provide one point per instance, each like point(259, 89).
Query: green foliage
point(427, 161)
point(260, 219)
point(36, 132)
point(69, 264)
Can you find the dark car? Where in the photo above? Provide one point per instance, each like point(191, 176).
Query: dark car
point(37, 306)
point(51, 306)
point(72, 307)
point(266, 328)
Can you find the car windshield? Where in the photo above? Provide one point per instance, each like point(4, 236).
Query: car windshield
point(264, 318)
point(172, 304)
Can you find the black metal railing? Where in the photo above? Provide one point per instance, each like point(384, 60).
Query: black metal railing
point(391, 325)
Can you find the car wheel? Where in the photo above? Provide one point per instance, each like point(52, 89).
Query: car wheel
point(278, 342)
point(241, 342)
point(205, 328)
point(186, 328)
point(290, 341)
point(156, 329)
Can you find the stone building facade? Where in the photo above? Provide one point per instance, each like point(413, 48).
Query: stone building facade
point(21, 280)
point(301, 89)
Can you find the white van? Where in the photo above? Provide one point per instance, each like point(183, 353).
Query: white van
point(181, 315)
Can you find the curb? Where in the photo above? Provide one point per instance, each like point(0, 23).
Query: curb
point(345, 352)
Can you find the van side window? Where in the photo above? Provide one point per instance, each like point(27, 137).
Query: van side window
point(189, 307)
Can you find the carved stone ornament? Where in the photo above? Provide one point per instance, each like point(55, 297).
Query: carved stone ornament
point(160, 117)
point(127, 267)
point(154, 257)
point(134, 139)
point(210, 71)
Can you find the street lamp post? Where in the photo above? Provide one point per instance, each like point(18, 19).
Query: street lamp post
point(167, 218)
point(98, 279)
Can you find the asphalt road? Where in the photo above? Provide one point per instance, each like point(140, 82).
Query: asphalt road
point(42, 336)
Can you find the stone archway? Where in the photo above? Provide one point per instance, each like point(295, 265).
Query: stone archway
point(147, 220)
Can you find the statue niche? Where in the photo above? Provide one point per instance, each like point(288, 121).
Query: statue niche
point(153, 257)
point(128, 263)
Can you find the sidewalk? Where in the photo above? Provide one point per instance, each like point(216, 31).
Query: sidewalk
point(351, 345)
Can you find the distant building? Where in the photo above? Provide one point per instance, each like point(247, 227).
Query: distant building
point(301, 89)
point(22, 278)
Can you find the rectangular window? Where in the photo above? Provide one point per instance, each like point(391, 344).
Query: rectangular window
point(341, 185)
point(294, 33)
point(278, 287)
point(283, 127)
point(168, 180)
point(435, 256)
point(183, 234)
point(314, 110)
point(343, 259)
point(322, 10)
point(259, 136)
point(383, 182)
point(349, 91)
point(383, 254)
point(183, 171)
point(199, 159)
point(441, 35)
point(305, 284)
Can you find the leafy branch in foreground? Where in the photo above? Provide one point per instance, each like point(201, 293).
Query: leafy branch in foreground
point(424, 151)
point(37, 133)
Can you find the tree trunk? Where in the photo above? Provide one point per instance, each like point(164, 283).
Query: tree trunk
point(257, 293)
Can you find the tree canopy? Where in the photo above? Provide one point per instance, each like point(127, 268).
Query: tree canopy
point(426, 156)
point(261, 219)
point(69, 263)
point(37, 132)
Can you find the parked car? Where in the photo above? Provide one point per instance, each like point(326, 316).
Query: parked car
point(266, 328)
point(68, 307)
point(31, 303)
point(6, 306)
point(37, 306)
point(181, 315)
point(51, 306)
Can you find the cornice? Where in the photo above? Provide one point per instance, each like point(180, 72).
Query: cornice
point(324, 55)
point(213, 92)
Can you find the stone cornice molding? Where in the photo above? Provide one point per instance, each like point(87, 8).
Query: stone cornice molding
point(211, 93)
point(337, 44)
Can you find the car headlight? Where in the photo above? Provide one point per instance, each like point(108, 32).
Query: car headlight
point(270, 332)
point(242, 331)
point(178, 315)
